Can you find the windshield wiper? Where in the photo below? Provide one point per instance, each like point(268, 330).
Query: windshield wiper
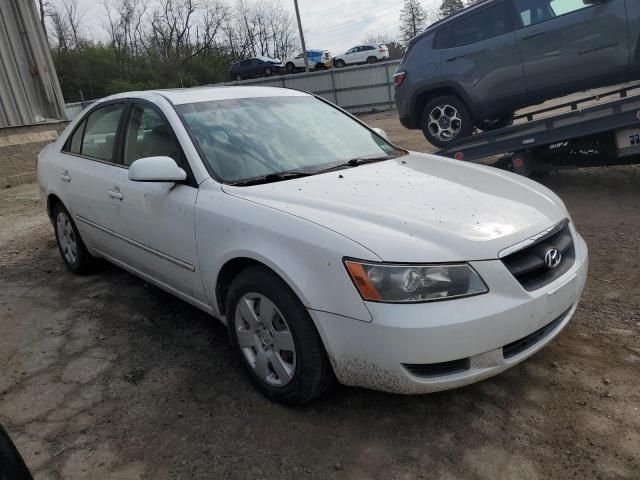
point(354, 162)
point(272, 177)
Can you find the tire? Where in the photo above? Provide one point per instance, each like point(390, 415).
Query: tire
point(307, 369)
point(372, 60)
point(238, 77)
point(340, 63)
point(267, 71)
point(69, 240)
point(290, 67)
point(458, 124)
point(500, 122)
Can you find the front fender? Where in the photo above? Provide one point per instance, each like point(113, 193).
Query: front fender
point(307, 256)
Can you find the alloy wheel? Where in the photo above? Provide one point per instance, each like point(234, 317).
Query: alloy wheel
point(67, 238)
point(265, 339)
point(444, 122)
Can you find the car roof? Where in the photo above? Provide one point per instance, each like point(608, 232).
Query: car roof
point(180, 96)
point(452, 18)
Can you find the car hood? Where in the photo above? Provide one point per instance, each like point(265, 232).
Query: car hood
point(418, 208)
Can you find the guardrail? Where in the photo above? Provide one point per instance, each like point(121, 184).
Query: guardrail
point(358, 89)
point(362, 88)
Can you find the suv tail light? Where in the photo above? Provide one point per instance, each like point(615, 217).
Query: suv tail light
point(398, 78)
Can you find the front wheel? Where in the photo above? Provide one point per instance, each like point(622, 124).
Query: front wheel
point(445, 119)
point(372, 60)
point(267, 71)
point(290, 67)
point(275, 338)
point(238, 77)
point(340, 63)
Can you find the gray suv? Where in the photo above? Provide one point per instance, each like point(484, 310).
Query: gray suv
point(477, 67)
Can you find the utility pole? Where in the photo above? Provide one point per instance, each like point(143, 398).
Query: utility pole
point(304, 48)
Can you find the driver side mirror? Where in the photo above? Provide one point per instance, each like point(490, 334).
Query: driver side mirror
point(156, 169)
point(381, 132)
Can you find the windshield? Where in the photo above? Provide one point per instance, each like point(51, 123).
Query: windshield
point(247, 138)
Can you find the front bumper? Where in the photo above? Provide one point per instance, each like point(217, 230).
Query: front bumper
point(481, 336)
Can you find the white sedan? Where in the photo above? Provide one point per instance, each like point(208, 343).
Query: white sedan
point(329, 252)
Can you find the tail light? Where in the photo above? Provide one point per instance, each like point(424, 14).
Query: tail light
point(398, 78)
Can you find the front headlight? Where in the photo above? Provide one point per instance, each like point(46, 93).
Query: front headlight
point(397, 283)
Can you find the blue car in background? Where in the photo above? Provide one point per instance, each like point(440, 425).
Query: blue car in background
point(318, 60)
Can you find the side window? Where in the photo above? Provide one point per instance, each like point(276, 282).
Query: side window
point(532, 12)
point(75, 143)
point(149, 135)
point(476, 27)
point(99, 139)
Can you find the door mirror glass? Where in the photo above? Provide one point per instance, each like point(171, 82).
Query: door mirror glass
point(156, 169)
point(381, 132)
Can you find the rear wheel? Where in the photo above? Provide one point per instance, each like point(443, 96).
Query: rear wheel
point(290, 67)
point(70, 245)
point(275, 338)
point(445, 119)
point(340, 63)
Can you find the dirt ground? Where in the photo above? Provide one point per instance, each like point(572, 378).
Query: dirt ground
point(106, 377)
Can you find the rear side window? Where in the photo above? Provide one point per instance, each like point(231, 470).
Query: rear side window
point(532, 12)
point(99, 139)
point(75, 143)
point(476, 27)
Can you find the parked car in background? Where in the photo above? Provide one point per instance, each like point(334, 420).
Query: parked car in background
point(254, 67)
point(324, 248)
point(373, 53)
point(478, 66)
point(318, 60)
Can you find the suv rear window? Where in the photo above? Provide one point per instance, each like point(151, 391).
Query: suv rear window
point(475, 27)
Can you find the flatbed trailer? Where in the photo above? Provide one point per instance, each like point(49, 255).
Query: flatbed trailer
point(573, 134)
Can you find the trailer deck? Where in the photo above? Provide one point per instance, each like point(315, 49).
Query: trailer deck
point(580, 128)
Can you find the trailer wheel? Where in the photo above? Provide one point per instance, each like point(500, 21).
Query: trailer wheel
point(445, 119)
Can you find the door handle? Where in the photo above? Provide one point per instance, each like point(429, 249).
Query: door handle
point(115, 194)
point(534, 34)
point(64, 176)
point(455, 58)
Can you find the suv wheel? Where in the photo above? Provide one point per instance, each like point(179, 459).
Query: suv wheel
point(340, 63)
point(445, 119)
point(275, 338)
point(372, 60)
point(290, 67)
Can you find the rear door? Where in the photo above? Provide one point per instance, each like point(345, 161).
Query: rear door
point(479, 54)
point(90, 169)
point(571, 44)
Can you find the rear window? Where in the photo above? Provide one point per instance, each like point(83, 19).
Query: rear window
point(473, 28)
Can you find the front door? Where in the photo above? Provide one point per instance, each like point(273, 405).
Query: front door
point(567, 45)
point(156, 219)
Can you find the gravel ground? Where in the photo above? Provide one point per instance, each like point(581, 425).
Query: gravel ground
point(106, 377)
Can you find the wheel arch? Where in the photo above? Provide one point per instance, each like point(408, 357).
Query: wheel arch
point(52, 201)
point(234, 267)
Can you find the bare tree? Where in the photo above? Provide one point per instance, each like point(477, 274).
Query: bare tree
point(413, 18)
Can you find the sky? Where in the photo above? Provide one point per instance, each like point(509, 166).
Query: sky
point(335, 25)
